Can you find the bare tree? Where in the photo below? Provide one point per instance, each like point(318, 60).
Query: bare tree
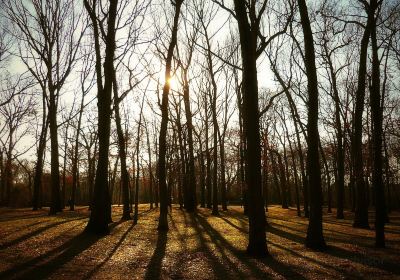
point(49, 37)
point(163, 222)
point(101, 207)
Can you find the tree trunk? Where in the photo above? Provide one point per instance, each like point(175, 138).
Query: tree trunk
point(248, 40)
point(55, 205)
point(315, 238)
point(150, 169)
point(377, 117)
point(101, 206)
point(122, 153)
point(163, 222)
point(361, 207)
point(76, 156)
point(191, 203)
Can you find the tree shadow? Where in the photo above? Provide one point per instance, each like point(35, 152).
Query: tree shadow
point(114, 249)
point(154, 267)
point(274, 264)
point(365, 260)
point(19, 228)
point(24, 217)
point(239, 228)
point(36, 269)
point(338, 252)
point(220, 270)
point(35, 232)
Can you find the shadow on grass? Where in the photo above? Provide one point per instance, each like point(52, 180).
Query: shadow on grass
point(365, 260)
point(340, 253)
point(239, 228)
point(270, 262)
point(154, 267)
point(44, 265)
point(35, 232)
point(41, 214)
point(114, 249)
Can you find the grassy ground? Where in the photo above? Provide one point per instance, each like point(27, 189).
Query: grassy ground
point(198, 246)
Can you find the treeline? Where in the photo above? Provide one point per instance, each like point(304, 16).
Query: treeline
point(202, 104)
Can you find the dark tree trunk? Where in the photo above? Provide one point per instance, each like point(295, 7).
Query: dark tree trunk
point(182, 182)
point(156, 185)
point(283, 184)
point(296, 122)
point(327, 176)
point(242, 148)
point(315, 238)
point(76, 156)
point(339, 137)
point(361, 207)
point(101, 206)
point(202, 176)
point(222, 166)
point(64, 175)
point(150, 169)
point(296, 179)
point(377, 131)
point(275, 172)
point(208, 161)
point(136, 212)
point(55, 205)
point(8, 172)
point(265, 171)
point(122, 154)
point(191, 202)
point(163, 222)
point(215, 173)
point(248, 33)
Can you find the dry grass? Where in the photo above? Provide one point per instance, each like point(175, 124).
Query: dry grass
point(198, 246)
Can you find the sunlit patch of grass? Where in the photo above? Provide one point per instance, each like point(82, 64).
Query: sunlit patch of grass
point(197, 246)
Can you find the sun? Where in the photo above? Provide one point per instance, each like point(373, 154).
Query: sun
point(173, 82)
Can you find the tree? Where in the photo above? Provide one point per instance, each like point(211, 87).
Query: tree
point(15, 116)
point(162, 184)
point(361, 211)
point(377, 132)
point(315, 238)
point(248, 32)
point(49, 52)
point(100, 206)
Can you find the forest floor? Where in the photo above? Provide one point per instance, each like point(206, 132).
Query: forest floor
point(34, 245)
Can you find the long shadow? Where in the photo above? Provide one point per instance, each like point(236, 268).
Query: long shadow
point(35, 232)
point(220, 270)
point(34, 269)
point(154, 267)
point(145, 212)
point(23, 217)
point(17, 229)
point(277, 266)
point(311, 260)
point(343, 254)
point(114, 249)
point(241, 229)
point(364, 260)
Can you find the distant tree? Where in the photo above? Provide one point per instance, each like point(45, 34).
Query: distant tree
point(15, 117)
point(49, 51)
